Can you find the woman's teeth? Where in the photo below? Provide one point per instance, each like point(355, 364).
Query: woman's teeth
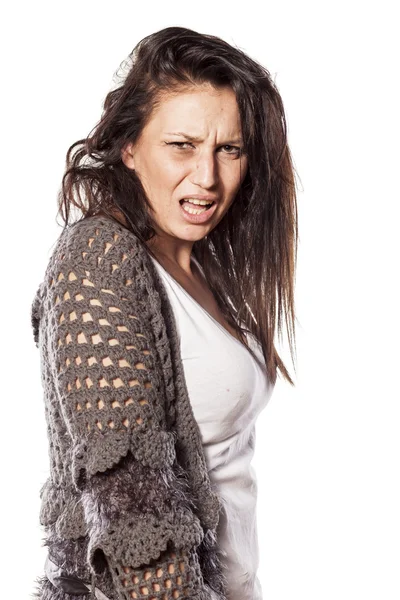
point(193, 211)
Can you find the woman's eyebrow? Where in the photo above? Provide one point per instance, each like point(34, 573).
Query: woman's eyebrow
point(192, 138)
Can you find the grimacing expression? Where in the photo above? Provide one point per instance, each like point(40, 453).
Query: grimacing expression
point(170, 166)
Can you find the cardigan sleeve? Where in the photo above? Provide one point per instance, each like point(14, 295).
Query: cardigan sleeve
point(123, 462)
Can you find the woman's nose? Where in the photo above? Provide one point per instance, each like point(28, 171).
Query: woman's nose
point(205, 170)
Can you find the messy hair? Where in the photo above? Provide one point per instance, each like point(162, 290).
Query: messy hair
point(249, 257)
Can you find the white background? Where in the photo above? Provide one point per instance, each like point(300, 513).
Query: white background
point(327, 456)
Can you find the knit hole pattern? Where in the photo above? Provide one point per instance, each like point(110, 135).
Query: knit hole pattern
point(104, 363)
point(160, 582)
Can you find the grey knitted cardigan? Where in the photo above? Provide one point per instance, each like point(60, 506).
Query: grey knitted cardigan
point(128, 505)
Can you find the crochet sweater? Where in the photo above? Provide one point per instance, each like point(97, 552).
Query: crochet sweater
point(128, 503)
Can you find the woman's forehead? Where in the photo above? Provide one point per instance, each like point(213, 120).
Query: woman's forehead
point(190, 115)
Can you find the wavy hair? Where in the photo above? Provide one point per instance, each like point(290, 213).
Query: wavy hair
point(249, 257)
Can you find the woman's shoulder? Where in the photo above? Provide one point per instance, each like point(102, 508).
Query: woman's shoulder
point(96, 250)
point(98, 243)
point(96, 247)
point(97, 232)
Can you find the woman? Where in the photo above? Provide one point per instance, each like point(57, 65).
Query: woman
point(156, 320)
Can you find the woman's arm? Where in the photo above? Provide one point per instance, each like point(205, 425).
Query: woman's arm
point(103, 366)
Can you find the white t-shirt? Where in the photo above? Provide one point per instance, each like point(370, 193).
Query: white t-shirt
point(227, 390)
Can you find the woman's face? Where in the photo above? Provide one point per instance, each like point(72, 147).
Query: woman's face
point(171, 167)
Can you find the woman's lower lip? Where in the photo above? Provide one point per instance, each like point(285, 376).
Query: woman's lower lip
point(201, 218)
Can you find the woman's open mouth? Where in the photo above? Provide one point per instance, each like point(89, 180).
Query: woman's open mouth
point(197, 213)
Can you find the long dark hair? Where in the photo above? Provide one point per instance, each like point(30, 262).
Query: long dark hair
point(249, 257)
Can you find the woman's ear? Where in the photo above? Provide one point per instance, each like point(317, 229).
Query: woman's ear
point(127, 156)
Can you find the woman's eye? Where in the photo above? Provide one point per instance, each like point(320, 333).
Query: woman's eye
point(235, 150)
point(177, 144)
